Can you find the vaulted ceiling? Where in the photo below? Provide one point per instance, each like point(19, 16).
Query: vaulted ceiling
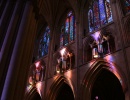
point(53, 10)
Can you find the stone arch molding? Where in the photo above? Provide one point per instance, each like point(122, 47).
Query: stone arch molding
point(32, 91)
point(56, 85)
point(92, 74)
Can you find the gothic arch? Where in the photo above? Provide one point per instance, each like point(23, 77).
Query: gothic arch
point(32, 94)
point(55, 87)
point(94, 71)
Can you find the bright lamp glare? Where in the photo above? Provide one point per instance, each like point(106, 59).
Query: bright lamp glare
point(37, 64)
point(96, 35)
point(62, 51)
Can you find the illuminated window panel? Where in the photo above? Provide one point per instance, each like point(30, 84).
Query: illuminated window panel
point(68, 30)
point(90, 19)
point(108, 11)
point(96, 15)
point(99, 14)
point(44, 43)
point(71, 28)
point(102, 12)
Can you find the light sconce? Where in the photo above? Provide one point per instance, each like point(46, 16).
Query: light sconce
point(62, 52)
point(57, 71)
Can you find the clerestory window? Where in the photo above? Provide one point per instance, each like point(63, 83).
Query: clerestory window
point(99, 14)
point(68, 30)
point(44, 42)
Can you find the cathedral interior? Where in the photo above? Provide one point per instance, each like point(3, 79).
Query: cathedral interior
point(64, 49)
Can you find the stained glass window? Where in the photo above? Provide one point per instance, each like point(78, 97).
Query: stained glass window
point(90, 19)
point(44, 43)
point(96, 14)
point(127, 5)
point(108, 11)
point(68, 29)
point(102, 12)
point(99, 14)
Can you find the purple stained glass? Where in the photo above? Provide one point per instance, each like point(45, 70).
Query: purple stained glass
point(127, 5)
point(90, 19)
point(108, 11)
point(102, 12)
point(96, 15)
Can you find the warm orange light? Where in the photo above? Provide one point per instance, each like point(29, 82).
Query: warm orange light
point(39, 87)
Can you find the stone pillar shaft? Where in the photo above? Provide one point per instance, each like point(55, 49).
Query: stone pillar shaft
point(14, 80)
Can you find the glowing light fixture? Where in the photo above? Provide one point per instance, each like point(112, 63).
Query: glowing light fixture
point(37, 64)
point(62, 52)
point(96, 35)
point(58, 71)
point(95, 53)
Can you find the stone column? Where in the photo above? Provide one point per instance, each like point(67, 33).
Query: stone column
point(10, 29)
point(49, 71)
point(17, 69)
point(79, 47)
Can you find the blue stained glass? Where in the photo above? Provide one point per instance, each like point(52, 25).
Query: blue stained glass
point(127, 4)
point(66, 39)
point(108, 11)
point(96, 15)
point(67, 26)
point(102, 12)
point(99, 14)
point(71, 27)
point(44, 43)
point(90, 19)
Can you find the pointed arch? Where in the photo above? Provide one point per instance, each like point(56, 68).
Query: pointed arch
point(32, 94)
point(55, 87)
point(94, 71)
